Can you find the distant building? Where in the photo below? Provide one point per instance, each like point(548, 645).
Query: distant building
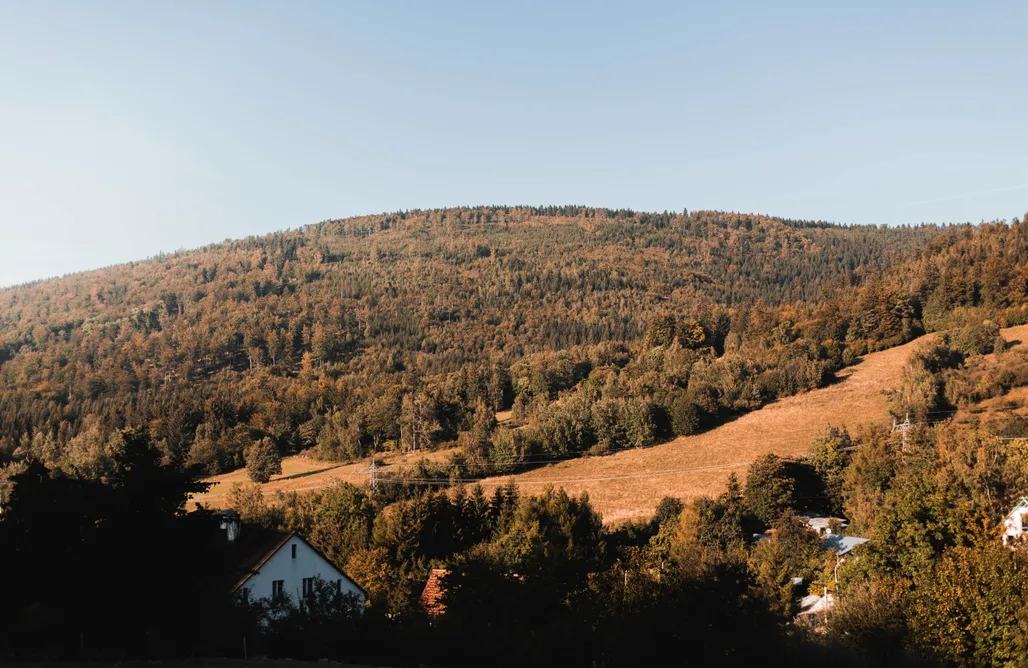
point(263, 563)
point(842, 544)
point(1015, 522)
point(822, 525)
point(432, 595)
point(814, 606)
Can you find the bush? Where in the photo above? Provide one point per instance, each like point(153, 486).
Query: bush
point(977, 339)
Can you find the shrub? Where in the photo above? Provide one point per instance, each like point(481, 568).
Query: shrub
point(977, 339)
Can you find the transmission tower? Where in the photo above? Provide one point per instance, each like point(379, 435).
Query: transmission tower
point(902, 428)
point(372, 469)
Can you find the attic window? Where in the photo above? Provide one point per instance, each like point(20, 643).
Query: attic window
point(294, 550)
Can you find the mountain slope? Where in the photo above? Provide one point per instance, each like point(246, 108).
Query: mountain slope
point(264, 337)
point(629, 484)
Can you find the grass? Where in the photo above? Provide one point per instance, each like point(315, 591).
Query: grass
point(301, 474)
point(628, 485)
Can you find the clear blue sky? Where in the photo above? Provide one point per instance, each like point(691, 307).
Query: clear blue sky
point(128, 128)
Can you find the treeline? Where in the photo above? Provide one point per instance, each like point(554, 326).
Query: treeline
point(572, 592)
point(537, 579)
point(599, 330)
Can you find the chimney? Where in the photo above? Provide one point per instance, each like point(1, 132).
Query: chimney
point(231, 524)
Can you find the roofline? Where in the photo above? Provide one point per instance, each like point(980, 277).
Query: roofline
point(278, 546)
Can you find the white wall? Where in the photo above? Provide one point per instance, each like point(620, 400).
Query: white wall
point(307, 564)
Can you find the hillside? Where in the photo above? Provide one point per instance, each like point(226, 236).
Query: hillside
point(628, 484)
point(263, 337)
point(599, 330)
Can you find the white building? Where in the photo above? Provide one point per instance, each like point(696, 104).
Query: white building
point(278, 564)
point(822, 525)
point(1015, 522)
point(815, 606)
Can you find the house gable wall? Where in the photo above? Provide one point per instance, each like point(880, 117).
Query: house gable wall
point(308, 563)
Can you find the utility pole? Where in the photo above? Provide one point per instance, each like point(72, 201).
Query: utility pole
point(903, 428)
point(372, 470)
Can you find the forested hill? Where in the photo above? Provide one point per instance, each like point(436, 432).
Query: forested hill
point(340, 333)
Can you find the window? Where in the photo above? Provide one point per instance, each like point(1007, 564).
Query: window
point(339, 586)
point(278, 589)
point(308, 587)
point(245, 593)
point(294, 550)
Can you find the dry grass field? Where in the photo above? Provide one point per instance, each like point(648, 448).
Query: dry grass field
point(300, 474)
point(629, 484)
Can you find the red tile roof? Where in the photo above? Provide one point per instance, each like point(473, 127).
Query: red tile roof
point(432, 597)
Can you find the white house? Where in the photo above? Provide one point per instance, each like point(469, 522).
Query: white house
point(1015, 523)
point(277, 564)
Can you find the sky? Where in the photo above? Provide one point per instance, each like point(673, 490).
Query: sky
point(133, 128)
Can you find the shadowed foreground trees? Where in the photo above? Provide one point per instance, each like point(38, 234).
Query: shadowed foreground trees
point(110, 564)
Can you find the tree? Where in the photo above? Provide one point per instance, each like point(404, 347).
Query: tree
point(829, 457)
point(337, 520)
point(263, 460)
point(668, 510)
point(970, 607)
point(418, 421)
point(979, 339)
point(248, 501)
point(870, 619)
point(62, 535)
point(769, 489)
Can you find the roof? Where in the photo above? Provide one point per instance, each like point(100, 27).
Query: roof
point(813, 604)
point(1020, 505)
point(231, 562)
point(261, 552)
point(432, 596)
point(822, 522)
point(842, 544)
point(237, 560)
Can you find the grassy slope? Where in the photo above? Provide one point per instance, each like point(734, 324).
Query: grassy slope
point(629, 484)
